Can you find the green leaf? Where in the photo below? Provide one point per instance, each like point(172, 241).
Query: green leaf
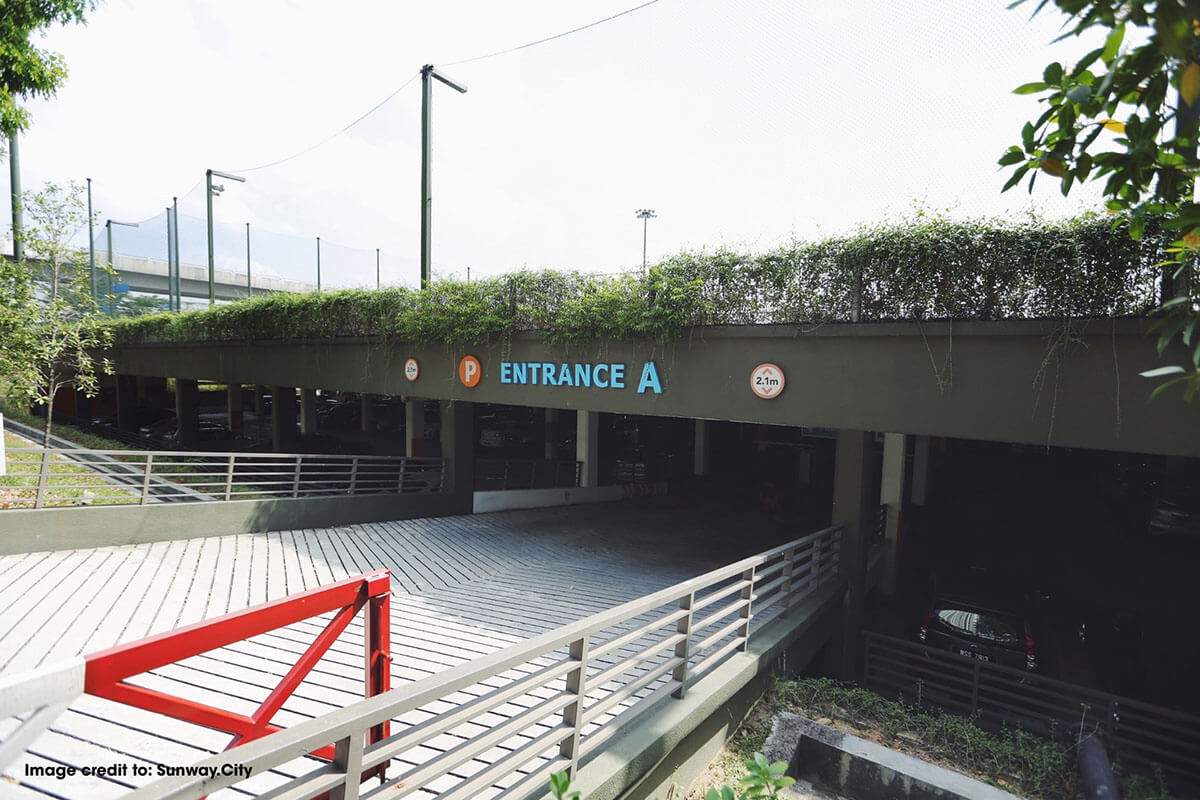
point(1030, 88)
point(1080, 94)
point(1013, 155)
point(1112, 44)
point(1137, 226)
point(1160, 372)
point(1053, 73)
point(1027, 137)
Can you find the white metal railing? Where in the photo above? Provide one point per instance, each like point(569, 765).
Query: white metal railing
point(57, 476)
point(539, 706)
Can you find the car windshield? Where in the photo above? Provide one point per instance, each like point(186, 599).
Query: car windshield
point(985, 625)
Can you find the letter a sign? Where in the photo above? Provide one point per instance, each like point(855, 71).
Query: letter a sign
point(469, 371)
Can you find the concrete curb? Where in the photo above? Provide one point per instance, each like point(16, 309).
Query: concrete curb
point(854, 767)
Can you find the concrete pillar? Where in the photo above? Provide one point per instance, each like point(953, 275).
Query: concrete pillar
point(458, 450)
point(414, 426)
point(260, 412)
point(700, 450)
point(587, 446)
point(920, 470)
point(127, 402)
point(308, 411)
point(187, 412)
point(551, 437)
point(283, 419)
point(83, 406)
point(367, 413)
point(891, 494)
point(233, 406)
point(853, 508)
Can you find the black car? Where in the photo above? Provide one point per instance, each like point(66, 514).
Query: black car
point(987, 634)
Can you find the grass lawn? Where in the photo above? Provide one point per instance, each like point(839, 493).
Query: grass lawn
point(70, 484)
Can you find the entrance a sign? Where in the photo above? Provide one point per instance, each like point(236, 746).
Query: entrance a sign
point(469, 371)
point(412, 370)
point(767, 381)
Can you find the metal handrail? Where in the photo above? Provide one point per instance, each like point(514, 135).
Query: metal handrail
point(170, 475)
point(560, 666)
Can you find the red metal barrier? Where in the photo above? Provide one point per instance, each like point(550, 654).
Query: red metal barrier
point(108, 669)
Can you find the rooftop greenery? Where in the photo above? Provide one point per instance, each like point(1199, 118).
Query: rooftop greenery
point(926, 267)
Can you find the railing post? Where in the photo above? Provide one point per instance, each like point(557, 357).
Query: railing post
point(146, 478)
point(403, 473)
point(353, 475)
point(378, 678)
point(789, 566)
point(683, 649)
point(43, 479)
point(573, 714)
point(229, 477)
point(748, 598)
point(504, 480)
point(814, 566)
point(296, 477)
point(347, 758)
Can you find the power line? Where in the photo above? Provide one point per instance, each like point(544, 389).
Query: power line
point(551, 38)
point(336, 134)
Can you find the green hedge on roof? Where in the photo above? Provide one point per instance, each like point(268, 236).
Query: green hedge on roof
point(925, 268)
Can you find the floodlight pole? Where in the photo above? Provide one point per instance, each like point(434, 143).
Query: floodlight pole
point(208, 187)
point(108, 225)
point(249, 288)
point(427, 72)
point(645, 215)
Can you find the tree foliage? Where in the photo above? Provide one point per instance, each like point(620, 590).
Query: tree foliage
point(25, 69)
point(48, 329)
point(1128, 113)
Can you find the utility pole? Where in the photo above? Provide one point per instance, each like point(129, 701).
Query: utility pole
point(249, 288)
point(377, 269)
point(318, 263)
point(428, 71)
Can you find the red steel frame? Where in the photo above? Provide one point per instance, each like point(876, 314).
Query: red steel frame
point(108, 669)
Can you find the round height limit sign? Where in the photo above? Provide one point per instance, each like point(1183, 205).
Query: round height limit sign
point(767, 381)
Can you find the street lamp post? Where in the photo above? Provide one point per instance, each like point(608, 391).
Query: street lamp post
point(428, 71)
point(209, 188)
point(318, 263)
point(377, 269)
point(645, 215)
point(108, 226)
point(91, 242)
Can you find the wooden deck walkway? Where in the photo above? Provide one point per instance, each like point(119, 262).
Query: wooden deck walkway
point(462, 587)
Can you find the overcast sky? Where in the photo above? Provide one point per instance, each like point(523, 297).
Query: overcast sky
point(742, 123)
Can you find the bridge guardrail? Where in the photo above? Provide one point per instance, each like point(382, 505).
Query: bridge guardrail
point(153, 476)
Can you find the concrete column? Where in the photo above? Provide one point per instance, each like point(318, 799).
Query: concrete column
point(260, 412)
point(551, 437)
point(233, 406)
point(891, 494)
point(283, 419)
point(83, 406)
point(414, 426)
point(920, 476)
point(700, 450)
point(853, 507)
point(127, 402)
point(587, 446)
point(308, 411)
point(458, 450)
point(368, 413)
point(187, 412)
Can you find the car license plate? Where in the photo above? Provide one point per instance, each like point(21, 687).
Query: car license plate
point(973, 654)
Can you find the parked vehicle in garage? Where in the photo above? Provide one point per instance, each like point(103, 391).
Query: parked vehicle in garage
point(987, 634)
